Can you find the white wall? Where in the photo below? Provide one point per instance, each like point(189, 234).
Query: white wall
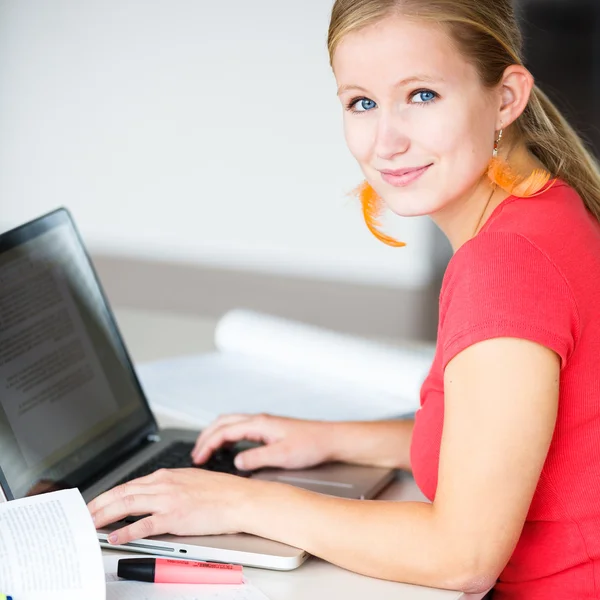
point(193, 130)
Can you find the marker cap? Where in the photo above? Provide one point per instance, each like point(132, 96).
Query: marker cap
point(136, 569)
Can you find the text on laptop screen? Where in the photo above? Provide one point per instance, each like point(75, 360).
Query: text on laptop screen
point(65, 394)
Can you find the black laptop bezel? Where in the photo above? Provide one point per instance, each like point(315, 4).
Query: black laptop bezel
point(103, 463)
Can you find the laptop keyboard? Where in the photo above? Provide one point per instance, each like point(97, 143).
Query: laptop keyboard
point(178, 456)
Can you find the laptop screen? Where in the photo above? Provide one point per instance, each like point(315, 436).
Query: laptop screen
point(68, 396)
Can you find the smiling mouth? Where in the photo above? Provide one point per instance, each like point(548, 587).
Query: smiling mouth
point(403, 177)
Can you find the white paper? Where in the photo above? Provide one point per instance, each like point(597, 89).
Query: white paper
point(49, 549)
point(267, 364)
point(288, 346)
point(152, 591)
point(199, 388)
point(120, 589)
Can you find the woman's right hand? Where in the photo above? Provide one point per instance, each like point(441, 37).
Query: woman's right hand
point(288, 443)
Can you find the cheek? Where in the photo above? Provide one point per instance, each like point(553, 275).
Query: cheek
point(359, 135)
point(466, 146)
point(431, 130)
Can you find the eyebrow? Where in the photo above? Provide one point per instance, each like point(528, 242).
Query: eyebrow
point(401, 83)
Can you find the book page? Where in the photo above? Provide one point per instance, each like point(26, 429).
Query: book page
point(49, 549)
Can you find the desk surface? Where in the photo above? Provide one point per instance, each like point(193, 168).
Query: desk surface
point(156, 335)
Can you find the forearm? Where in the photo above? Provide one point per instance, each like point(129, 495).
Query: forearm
point(399, 541)
point(379, 443)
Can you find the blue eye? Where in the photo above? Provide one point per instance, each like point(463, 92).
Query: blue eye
point(361, 105)
point(424, 97)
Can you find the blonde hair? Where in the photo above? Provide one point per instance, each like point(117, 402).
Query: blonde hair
point(487, 33)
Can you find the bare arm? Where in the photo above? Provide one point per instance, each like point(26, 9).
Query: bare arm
point(379, 443)
point(296, 443)
point(501, 403)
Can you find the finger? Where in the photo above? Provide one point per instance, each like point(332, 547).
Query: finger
point(152, 525)
point(250, 429)
point(132, 505)
point(273, 455)
point(136, 486)
point(217, 424)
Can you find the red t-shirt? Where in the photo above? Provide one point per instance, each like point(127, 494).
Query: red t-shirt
point(533, 272)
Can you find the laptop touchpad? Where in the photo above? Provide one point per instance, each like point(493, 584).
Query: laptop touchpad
point(336, 479)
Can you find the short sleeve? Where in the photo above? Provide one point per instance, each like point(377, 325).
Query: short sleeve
point(501, 285)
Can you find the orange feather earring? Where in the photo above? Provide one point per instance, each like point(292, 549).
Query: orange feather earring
point(504, 177)
point(372, 207)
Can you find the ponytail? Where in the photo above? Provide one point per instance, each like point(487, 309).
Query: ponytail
point(557, 146)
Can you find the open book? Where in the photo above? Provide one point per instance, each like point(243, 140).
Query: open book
point(269, 364)
point(49, 551)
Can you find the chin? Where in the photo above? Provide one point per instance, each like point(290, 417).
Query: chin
point(406, 204)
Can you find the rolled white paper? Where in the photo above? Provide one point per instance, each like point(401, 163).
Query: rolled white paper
point(283, 347)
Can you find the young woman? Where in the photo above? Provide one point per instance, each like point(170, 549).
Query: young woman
point(445, 120)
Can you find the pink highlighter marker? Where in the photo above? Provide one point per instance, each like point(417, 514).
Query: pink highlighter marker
point(163, 570)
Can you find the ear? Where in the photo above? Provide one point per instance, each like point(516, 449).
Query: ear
point(515, 88)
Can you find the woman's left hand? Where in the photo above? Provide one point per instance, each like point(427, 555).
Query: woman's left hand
point(177, 501)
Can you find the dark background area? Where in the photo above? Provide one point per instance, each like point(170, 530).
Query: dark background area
point(562, 50)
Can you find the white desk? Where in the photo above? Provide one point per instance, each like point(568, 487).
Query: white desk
point(315, 579)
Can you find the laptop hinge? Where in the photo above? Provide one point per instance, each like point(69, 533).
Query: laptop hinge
point(142, 442)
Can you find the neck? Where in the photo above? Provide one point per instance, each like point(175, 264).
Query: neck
point(463, 218)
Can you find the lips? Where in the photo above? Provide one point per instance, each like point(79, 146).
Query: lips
point(403, 177)
point(401, 172)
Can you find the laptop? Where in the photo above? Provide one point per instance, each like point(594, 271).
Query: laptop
point(73, 413)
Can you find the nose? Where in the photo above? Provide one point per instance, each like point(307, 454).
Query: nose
point(391, 138)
